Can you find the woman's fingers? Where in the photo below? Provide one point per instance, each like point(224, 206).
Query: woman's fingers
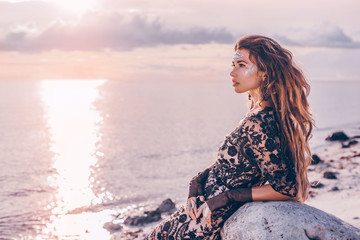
point(205, 211)
point(207, 215)
point(192, 215)
point(187, 208)
point(194, 208)
point(191, 208)
point(195, 213)
point(199, 211)
point(209, 220)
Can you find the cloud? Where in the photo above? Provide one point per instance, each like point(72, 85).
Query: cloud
point(325, 35)
point(27, 29)
point(23, 13)
point(99, 30)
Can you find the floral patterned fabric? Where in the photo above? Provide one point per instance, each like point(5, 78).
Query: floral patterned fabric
point(249, 156)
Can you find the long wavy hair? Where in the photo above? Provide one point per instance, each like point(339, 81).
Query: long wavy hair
point(286, 88)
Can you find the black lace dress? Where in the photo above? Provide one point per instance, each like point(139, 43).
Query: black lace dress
point(249, 156)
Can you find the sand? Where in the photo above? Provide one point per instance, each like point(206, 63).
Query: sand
point(340, 196)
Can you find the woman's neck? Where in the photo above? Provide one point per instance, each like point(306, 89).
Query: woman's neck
point(256, 103)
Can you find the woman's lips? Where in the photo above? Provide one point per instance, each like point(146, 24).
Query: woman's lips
point(234, 82)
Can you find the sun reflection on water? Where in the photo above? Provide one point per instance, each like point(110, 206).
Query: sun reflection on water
point(72, 123)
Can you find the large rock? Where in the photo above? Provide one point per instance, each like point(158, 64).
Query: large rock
point(285, 220)
point(337, 136)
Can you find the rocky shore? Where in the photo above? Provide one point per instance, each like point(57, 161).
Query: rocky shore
point(335, 178)
point(334, 175)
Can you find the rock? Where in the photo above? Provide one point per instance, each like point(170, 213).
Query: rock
point(312, 194)
point(133, 234)
point(329, 175)
point(150, 216)
point(166, 205)
point(349, 144)
point(317, 184)
point(333, 189)
point(112, 227)
point(315, 159)
point(340, 166)
point(337, 136)
point(285, 220)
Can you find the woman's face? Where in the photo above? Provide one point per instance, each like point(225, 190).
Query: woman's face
point(245, 75)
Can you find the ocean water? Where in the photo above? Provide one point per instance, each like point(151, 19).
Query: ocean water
point(76, 153)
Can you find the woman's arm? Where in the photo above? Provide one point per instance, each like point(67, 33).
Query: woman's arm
point(262, 193)
point(267, 193)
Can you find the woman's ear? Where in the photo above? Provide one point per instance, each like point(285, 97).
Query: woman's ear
point(263, 75)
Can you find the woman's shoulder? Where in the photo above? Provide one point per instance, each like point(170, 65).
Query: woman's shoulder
point(262, 117)
point(263, 121)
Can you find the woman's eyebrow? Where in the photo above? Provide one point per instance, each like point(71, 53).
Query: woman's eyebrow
point(239, 61)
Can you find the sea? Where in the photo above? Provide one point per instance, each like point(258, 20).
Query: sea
point(76, 154)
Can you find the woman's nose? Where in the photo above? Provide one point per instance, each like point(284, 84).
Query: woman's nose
point(232, 74)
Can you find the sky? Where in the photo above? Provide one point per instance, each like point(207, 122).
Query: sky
point(175, 40)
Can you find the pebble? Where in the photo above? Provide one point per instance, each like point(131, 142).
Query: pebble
point(340, 166)
point(315, 159)
point(349, 144)
point(317, 184)
point(312, 193)
point(112, 227)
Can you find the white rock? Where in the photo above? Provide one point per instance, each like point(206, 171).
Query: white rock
point(286, 220)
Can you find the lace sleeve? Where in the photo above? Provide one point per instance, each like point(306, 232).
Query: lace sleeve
point(264, 149)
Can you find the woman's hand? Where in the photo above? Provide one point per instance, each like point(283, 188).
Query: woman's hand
point(191, 207)
point(196, 187)
point(205, 211)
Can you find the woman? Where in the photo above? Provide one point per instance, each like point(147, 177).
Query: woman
point(265, 157)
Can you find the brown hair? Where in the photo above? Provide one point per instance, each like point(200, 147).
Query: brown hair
point(286, 88)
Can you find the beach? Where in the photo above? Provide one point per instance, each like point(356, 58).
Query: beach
point(338, 193)
point(335, 180)
point(77, 168)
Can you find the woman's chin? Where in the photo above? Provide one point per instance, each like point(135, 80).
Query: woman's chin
point(238, 90)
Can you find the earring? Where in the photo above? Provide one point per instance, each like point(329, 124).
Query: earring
point(249, 96)
point(266, 95)
point(265, 91)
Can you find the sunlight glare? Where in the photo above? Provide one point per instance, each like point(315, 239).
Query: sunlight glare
point(72, 122)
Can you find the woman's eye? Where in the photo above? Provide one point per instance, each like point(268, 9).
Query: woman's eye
point(240, 65)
